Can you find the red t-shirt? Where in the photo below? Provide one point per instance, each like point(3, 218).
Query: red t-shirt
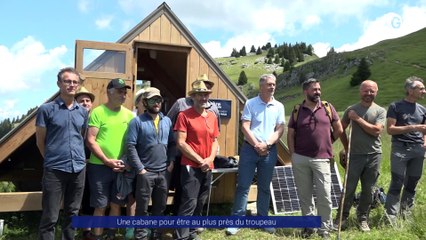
point(200, 133)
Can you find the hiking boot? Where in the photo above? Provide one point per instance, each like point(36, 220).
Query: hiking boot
point(269, 230)
point(324, 234)
point(232, 231)
point(194, 236)
point(308, 232)
point(363, 226)
point(391, 219)
point(343, 225)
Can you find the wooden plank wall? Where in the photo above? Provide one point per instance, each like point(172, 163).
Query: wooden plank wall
point(163, 31)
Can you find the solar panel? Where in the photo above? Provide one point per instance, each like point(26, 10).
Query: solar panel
point(284, 192)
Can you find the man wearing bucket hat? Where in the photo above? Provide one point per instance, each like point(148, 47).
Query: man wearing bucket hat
point(181, 105)
point(150, 149)
point(85, 99)
point(107, 127)
point(138, 102)
point(197, 133)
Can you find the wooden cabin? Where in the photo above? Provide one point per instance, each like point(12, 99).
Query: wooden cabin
point(161, 52)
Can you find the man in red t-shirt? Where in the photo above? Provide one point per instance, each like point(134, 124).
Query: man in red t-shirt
point(197, 131)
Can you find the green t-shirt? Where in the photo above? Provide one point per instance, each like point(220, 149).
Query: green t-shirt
point(112, 130)
point(362, 142)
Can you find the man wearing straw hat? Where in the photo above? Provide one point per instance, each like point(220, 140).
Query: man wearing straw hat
point(85, 99)
point(181, 105)
point(197, 131)
point(368, 121)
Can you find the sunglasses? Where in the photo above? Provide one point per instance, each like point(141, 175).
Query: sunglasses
point(153, 101)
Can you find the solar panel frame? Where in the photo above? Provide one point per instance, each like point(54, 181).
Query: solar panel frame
point(284, 191)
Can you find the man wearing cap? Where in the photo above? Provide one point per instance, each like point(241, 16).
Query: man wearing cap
point(181, 105)
point(60, 125)
point(262, 126)
point(197, 131)
point(107, 127)
point(85, 99)
point(150, 150)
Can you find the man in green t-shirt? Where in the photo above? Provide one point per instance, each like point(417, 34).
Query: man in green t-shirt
point(368, 121)
point(107, 127)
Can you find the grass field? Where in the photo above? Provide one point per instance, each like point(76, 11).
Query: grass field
point(24, 225)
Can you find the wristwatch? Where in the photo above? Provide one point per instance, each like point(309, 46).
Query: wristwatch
point(268, 146)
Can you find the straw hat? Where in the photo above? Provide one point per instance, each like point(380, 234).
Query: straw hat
point(199, 87)
point(203, 77)
point(84, 91)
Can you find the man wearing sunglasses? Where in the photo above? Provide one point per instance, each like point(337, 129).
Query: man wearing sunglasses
point(150, 149)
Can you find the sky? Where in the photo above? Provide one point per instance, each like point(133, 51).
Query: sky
point(37, 38)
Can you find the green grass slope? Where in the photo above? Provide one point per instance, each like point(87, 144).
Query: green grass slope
point(391, 62)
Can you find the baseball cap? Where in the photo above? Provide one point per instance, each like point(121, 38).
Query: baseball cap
point(117, 83)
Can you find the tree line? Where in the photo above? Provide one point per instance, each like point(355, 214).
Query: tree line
point(8, 124)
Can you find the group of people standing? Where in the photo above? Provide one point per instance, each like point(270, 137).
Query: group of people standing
point(150, 146)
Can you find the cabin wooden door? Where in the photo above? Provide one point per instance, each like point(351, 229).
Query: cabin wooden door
point(99, 62)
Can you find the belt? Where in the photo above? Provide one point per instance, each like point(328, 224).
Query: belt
point(253, 146)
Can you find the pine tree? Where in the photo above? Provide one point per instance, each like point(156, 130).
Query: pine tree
point(270, 53)
point(258, 51)
point(242, 79)
point(243, 51)
point(252, 49)
point(362, 73)
point(234, 52)
point(277, 59)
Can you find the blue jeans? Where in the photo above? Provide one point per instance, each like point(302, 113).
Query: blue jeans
point(249, 162)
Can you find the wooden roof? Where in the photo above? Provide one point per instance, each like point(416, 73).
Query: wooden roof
point(26, 129)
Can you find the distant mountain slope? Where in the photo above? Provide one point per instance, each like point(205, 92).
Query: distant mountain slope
point(391, 62)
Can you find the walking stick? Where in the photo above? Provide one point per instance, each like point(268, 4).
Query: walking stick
point(342, 196)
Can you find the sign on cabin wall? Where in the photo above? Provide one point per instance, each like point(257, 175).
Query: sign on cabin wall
point(224, 107)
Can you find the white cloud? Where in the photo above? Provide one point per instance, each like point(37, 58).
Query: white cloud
point(390, 25)
point(216, 49)
point(104, 22)
point(311, 21)
point(321, 49)
point(83, 6)
point(24, 63)
point(8, 109)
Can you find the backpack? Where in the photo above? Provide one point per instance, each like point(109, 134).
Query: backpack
point(327, 107)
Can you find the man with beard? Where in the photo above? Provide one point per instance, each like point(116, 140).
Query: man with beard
point(262, 126)
point(197, 131)
point(406, 123)
point(310, 142)
point(150, 150)
point(368, 120)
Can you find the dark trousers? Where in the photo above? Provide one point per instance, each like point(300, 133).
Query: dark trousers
point(175, 185)
point(57, 186)
point(150, 184)
point(364, 167)
point(195, 191)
